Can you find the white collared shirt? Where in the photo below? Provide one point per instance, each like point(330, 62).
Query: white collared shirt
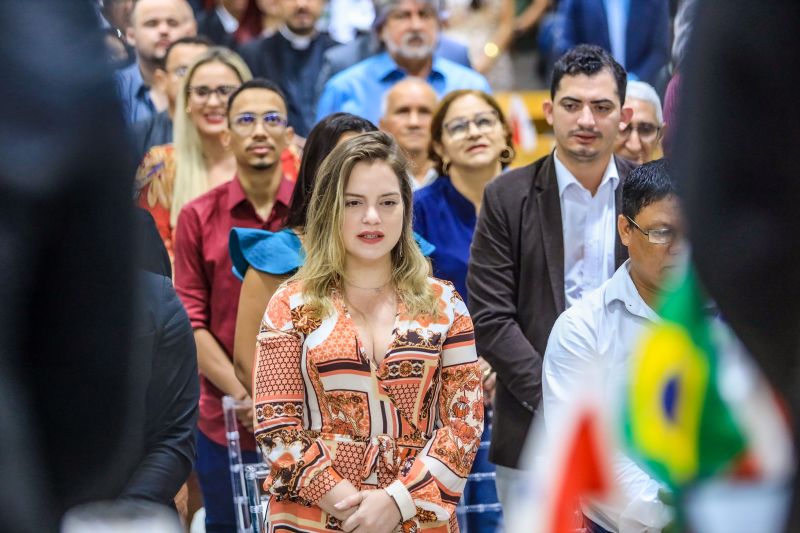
point(602, 330)
point(229, 22)
point(589, 225)
point(298, 42)
point(429, 178)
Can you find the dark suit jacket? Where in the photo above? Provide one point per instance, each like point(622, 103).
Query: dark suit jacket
point(209, 24)
point(66, 274)
point(268, 57)
point(166, 392)
point(516, 291)
point(739, 172)
point(647, 36)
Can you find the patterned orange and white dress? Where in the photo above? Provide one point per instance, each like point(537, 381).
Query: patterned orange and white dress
point(324, 412)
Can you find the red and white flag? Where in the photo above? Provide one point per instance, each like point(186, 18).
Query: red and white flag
point(522, 128)
point(571, 463)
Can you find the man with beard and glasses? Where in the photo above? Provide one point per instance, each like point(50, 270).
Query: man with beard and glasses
point(257, 197)
point(409, 30)
point(292, 58)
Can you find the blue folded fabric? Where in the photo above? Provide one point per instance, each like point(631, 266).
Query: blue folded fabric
point(277, 253)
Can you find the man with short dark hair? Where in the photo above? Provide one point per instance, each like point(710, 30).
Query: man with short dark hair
point(407, 111)
point(157, 129)
point(596, 337)
point(155, 24)
point(292, 58)
point(409, 30)
point(546, 236)
point(257, 197)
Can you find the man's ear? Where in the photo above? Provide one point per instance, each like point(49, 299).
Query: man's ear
point(130, 36)
point(547, 107)
point(662, 132)
point(289, 135)
point(624, 228)
point(626, 115)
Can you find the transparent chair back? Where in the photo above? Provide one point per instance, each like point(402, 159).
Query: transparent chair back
point(246, 479)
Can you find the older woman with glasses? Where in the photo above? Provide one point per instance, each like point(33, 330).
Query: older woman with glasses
point(470, 145)
point(172, 175)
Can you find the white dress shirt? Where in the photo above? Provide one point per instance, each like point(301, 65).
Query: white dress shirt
point(229, 22)
point(429, 178)
point(589, 226)
point(602, 330)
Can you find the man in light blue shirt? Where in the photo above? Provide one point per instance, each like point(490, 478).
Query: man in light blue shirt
point(602, 331)
point(409, 30)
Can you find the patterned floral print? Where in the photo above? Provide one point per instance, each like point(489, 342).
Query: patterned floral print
point(417, 417)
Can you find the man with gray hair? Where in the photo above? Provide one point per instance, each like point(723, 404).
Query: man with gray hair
point(409, 30)
point(638, 140)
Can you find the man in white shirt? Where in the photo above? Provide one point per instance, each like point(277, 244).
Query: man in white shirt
point(603, 329)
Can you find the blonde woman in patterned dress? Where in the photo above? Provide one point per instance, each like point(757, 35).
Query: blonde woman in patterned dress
point(368, 398)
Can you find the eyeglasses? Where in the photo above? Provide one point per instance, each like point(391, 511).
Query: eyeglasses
point(245, 123)
point(484, 122)
point(647, 131)
point(204, 92)
point(657, 236)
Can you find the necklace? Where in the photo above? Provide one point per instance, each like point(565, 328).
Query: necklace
point(374, 289)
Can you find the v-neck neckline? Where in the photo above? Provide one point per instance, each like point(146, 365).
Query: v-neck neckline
point(377, 368)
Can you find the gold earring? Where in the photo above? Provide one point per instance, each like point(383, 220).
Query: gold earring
point(507, 155)
point(445, 166)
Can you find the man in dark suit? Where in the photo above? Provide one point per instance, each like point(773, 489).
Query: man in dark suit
point(292, 58)
point(636, 32)
point(66, 274)
point(546, 235)
point(739, 166)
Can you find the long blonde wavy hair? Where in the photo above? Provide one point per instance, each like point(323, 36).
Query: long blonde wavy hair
point(323, 270)
point(191, 177)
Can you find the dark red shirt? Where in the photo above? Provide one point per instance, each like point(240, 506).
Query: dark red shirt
point(205, 282)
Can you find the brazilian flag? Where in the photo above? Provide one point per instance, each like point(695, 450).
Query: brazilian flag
point(675, 422)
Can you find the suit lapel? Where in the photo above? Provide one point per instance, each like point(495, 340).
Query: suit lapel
point(549, 205)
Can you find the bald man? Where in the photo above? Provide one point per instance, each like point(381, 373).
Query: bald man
point(407, 110)
point(155, 24)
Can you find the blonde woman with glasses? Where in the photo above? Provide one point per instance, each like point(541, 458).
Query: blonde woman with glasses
point(368, 400)
point(172, 175)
